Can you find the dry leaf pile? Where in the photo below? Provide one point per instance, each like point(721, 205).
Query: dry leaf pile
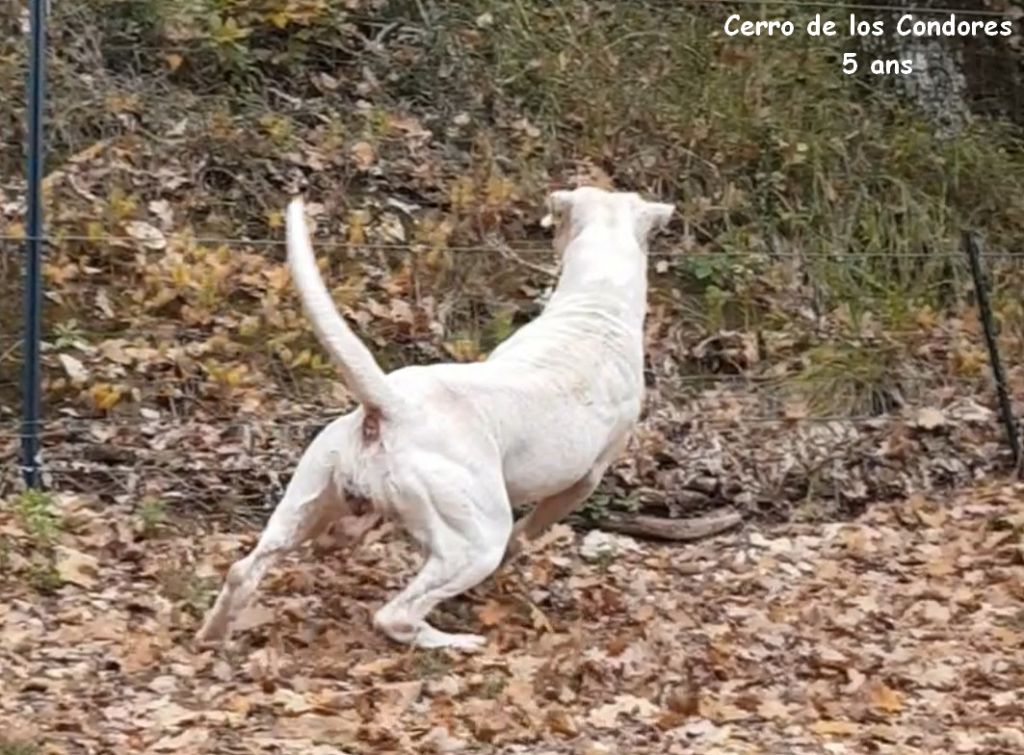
point(898, 632)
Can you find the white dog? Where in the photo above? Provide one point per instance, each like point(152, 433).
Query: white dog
point(447, 449)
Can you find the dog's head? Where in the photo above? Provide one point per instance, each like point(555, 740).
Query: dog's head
point(570, 211)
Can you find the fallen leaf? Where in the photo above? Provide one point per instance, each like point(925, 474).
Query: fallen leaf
point(74, 368)
point(929, 418)
point(149, 236)
point(363, 154)
point(934, 612)
point(771, 708)
point(560, 722)
point(838, 728)
point(493, 613)
point(342, 728)
point(253, 616)
point(884, 699)
point(76, 567)
point(638, 708)
point(187, 741)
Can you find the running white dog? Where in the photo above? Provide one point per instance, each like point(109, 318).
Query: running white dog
point(447, 449)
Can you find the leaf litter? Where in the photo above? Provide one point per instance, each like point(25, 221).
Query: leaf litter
point(899, 631)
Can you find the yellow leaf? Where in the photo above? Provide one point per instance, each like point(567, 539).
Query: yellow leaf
point(104, 395)
point(463, 349)
point(181, 275)
point(275, 219)
point(462, 192)
point(357, 221)
point(235, 376)
point(279, 18)
point(174, 61)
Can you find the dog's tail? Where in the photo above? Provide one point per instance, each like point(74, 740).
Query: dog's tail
point(363, 376)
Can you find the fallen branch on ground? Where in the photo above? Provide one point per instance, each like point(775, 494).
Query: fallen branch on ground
point(661, 528)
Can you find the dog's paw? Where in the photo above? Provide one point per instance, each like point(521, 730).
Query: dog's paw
point(429, 637)
point(211, 634)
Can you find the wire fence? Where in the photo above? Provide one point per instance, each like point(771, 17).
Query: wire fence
point(874, 369)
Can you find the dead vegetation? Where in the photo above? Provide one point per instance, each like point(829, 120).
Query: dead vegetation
point(896, 632)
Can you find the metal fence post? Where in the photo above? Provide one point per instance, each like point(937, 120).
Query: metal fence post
point(31, 388)
point(972, 245)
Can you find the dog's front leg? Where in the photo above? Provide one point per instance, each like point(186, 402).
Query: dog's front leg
point(468, 522)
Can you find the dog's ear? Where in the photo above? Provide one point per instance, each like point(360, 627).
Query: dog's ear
point(558, 203)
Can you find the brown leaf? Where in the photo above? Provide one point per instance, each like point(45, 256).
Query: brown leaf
point(637, 708)
point(771, 708)
point(363, 154)
point(493, 613)
point(561, 722)
point(76, 567)
point(253, 616)
point(884, 699)
point(838, 728)
point(188, 741)
point(342, 728)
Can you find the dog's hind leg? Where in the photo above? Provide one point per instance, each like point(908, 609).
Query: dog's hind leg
point(308, 505)
point(555, 508)
point(469, 522)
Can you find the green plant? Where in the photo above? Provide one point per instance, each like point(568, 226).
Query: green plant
point(847, 378)
point(18, 747)
point(153, 516)
point(42, 574)
point(431, 664)
point(35, 511)
point(493, 685)
point(193, 594)
point(67, 333)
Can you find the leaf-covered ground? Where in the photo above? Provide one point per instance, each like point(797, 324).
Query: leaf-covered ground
point(899, 632)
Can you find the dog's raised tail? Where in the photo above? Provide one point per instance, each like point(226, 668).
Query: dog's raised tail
point(363, 376)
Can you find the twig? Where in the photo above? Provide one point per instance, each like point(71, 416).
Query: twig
point(507, 253)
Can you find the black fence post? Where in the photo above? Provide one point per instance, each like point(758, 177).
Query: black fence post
point(31, 378)
point(972, 245)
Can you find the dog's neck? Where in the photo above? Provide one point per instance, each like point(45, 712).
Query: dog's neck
point(605, 256)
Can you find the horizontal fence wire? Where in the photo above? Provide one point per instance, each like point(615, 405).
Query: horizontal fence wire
point(884, 342)
point(497, 249)
point(154, 428)
point(681, 5)
point(689, 379)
